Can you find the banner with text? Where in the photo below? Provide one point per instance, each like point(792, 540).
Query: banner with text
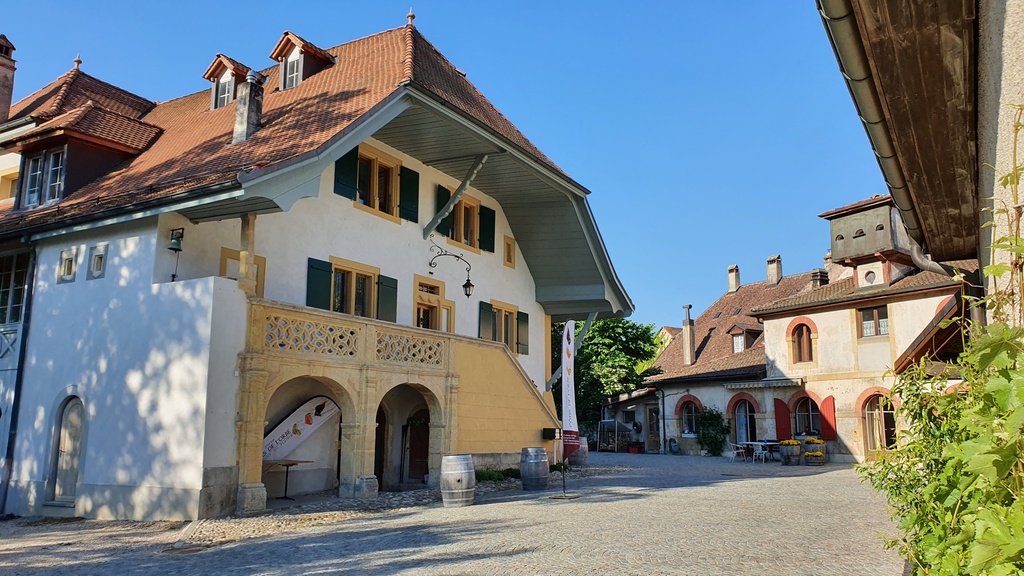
point(570, 429)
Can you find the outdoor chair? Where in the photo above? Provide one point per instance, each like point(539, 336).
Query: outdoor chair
point(760, 452)
point(737, 450)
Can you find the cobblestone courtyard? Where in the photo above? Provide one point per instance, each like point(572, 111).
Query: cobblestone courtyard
point(638, 514)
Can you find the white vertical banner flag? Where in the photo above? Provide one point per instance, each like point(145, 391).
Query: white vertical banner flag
point(570, 429)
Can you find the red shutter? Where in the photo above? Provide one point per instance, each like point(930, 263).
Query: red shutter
point(783, 430)
point(828, 418)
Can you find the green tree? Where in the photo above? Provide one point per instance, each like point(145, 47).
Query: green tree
point(606, 364)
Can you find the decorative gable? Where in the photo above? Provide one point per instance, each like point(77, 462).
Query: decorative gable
point(299, 59)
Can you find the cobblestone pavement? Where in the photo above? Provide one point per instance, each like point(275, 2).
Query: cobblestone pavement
point(636, 514)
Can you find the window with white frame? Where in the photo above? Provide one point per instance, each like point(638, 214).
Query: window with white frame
point(688, 418)
point(874, 322)
point(13, 277)
point(45, 181)
point(739, 343)
point(97, 262)
point(66, 267)
point(223, 93)
point(293, 73)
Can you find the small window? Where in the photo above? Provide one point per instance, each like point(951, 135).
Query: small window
point(223, 93)
point(377, 181)
point(629, 416)
point(717, 314)
point(465, 229)
point(874, 322)
point(97, 262)
point(354, 288)
point(66, 267)
point(839, 237)
point(45, 181)
point(808, 419)
point(803, 350)
point(739, 343)
point(293, 73)
point(880, 227)
point(509, 252)
point(432, 310)
point(688, 418)
point(859, 233)
point(503, 323)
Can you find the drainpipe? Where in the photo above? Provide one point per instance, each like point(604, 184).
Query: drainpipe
point(918, 257)
point(841, 28)
point(661, 418)
point(18, 380)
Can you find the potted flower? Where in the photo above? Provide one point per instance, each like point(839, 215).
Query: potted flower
point(815, 454)
point(789, 450)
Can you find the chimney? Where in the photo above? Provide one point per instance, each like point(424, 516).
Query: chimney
point(689, 342)
point(248, 108)
point(774, 269)
point(734, 278)
point(827, 260)
point(6, 77)
point(819, 277)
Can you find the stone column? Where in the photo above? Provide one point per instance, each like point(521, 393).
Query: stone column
point(252, 494)
point(246, 262)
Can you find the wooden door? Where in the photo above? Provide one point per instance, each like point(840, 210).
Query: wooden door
point(419, 444)
point(653, 430)
point(69, 450)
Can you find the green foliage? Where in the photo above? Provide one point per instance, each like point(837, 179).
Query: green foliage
point(605, 365)
point(511, 473)
point(559, 467)
point(712, 430)
point(955, 481)
point(488, 475)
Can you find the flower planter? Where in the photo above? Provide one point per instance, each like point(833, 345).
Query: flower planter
point(790, 455)
point(814, 460)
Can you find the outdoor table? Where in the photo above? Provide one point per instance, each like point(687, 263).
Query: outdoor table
point(287, 465)
point(767, 446)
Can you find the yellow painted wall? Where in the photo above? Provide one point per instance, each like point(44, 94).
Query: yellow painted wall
point(498, 408)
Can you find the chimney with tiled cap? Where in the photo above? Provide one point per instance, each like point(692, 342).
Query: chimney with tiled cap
point(774, 269)
point(819, 277)
point(689, 343)
point(6, 77)
point(734, 278)
point(248, 108)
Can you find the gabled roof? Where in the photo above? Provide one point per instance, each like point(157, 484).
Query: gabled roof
point(876, 200)
point(289, 39)
point(74, 89)
point(98, 125)
point(715, 358)
point(845, 291)
point(222, 62)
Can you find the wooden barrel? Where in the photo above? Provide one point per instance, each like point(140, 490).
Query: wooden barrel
point(533, 468)
point(458, 480)
point(579, 457)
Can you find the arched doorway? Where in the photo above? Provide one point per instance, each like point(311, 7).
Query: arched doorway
point(402, 460)
point(303, 424)
point(746, 423)
point(69, 451)
point(879, 423)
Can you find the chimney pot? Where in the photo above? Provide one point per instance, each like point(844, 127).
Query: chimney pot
point(248, 108)
point(774, 269)
point(734, 278)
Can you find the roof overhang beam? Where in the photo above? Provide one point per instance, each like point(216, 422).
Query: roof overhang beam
point(450, 205)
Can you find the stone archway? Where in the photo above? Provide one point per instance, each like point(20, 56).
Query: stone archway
point(407, 445)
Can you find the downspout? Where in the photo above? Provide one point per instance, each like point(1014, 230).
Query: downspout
point(661, 422)
point(922, 261)
point(18, 380)
point(841, 28)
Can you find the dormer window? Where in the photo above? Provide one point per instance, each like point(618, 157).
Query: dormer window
point(299, 60)
point(226, 75)
point(45, 181)
point(224, 93)
point(739, 343)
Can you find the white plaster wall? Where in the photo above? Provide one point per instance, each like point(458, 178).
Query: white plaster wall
point(1000, 84)
point(832, 351)
point(331, 225)
point(138, 355)
point(227, 340)
point(907, 319)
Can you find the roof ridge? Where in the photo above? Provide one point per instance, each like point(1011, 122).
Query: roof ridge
point(62, 94)
point(409, 52)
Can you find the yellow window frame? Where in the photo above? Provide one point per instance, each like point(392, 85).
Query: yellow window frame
point(509, 252)
point(229, 254)
point(341, 265)
point(467, 205)
point(505, 323)
point(377, 158)
point(437, 301)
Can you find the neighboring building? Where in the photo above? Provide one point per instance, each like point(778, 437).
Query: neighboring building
point(178, 278)
point(722, 347)
point(810, 355)
point(936, 85)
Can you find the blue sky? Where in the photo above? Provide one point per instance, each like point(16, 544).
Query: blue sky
point(709, 133)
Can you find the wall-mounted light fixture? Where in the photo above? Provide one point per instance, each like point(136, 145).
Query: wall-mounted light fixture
point(467, 288)
point(175, 246)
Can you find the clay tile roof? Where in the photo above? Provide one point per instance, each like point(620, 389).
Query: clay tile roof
point(74, 89)
point(221, 60)
point(194, 150)
point(845, 291)
point(715, 358)
point(876, 200)
point(289, 39)
point(5, 42)
point(672, 331)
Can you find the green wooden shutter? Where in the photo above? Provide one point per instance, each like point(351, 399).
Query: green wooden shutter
point(346, 170)
point(486, 229)
point(444, 227)
point(387, 299)
point(522, 332)
point(318, 284)
point(409, 195)
point(486, 321)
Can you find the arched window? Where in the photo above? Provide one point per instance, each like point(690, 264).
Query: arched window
point(879, 423)
point(802, 349)
point(808, 418)
point(688, 418)
point(746, 423)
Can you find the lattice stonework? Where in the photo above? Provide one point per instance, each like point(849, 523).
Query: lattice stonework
point(406, 349)
point(310, 337)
